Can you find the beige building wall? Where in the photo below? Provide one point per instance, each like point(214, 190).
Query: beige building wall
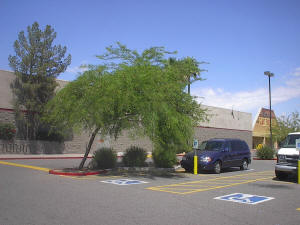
point(223, 123)
point(261, 127)
point(227, 119)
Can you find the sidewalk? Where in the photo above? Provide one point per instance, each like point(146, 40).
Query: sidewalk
point(42, 156)
point(58, 156)
point(52, 156)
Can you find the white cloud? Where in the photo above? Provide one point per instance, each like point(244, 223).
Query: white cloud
point(249, 100)
point(296, 72)
point(77, 69)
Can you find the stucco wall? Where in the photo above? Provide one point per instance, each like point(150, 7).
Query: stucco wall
point(205, 133)
point(227, 118)
point(223, 123)
point(6, 95)
point(7, 116)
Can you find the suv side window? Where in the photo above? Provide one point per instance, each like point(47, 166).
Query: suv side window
point(227, 146)
point(234, 146)
point(244, 146)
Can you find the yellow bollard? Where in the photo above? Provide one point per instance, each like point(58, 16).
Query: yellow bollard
point(298, 171)
point(196, 164)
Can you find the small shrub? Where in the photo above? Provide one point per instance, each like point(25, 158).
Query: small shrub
point(265, 152)
point(104, 158)
point(134, 156)
point(53, 133)
point(259, 146)
point(164, 158)
point(7, 131)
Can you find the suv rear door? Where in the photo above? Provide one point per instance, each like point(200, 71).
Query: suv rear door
point(227, 158)
point(237, 152)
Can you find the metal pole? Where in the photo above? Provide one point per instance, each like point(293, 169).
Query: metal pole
point(195, 146)
point(299, 170)
point(270, 112)
point(195, 163)
point(269, 74)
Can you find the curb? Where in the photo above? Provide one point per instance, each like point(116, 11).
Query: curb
point(60, 172)
point(264, 159)
point(63, 157)
point(146, 169)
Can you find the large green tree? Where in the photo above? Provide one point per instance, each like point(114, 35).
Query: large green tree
point(190, 69)
point(139, 92)
point(36, 64)
point(285, 125)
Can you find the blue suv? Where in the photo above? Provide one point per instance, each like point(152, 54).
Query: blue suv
point(216, 154)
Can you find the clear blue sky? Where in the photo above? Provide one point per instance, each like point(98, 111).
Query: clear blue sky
point(239, 38)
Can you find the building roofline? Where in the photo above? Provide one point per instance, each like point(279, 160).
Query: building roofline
point(13, 72)
point(256, 117)
point(203, 105)
point(7, 71)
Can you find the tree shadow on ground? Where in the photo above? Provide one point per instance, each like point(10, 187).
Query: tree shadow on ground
point(149, 174)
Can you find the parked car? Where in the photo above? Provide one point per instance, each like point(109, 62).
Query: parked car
point(287, 157)
point(216, 154)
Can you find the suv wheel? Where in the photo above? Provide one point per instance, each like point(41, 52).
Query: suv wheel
point(244, 165)
point(280, 175)
point(217, 167)
point(188, 169)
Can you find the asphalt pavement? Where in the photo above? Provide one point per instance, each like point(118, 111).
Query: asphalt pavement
point(30, 196)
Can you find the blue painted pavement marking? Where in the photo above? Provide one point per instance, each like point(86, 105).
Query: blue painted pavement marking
point(244, 198)
point(124, 182)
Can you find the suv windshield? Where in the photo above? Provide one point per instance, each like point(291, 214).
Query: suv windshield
point(214, 145)
point(290, 141)
point(202, 146)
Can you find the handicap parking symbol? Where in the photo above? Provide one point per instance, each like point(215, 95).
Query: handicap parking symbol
point(244, 198)
point(124, 182)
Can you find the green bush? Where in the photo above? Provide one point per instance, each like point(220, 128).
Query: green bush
point(7, 131)
point(134, 156)
point(164, 158)
point(54, 133)
point(104, 158)
point(265, 152)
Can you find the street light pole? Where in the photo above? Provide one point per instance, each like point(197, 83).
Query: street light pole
point(269, 74)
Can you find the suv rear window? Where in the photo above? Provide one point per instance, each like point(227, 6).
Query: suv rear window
point(244, 146)
point(237, 145)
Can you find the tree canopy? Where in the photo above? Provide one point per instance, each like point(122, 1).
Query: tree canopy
point(286, 125)
point(142, 93)
point(36, 64)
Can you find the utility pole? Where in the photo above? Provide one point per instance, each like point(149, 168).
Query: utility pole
point(269, 74)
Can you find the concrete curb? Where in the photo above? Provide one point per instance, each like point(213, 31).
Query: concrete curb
point(264, 159)
point(66, 157)
point(81, 173)
point(62, 156)
point(146, 169)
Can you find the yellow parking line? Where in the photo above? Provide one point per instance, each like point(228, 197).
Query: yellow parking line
point(213, 179)
point(298, 209)
point(173, 192)
point(25, 166)
point(204, 189)
point(214, 183)
point(224, 186)
point(182, 189)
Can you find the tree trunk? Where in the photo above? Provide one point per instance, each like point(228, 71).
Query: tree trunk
point(88, 148)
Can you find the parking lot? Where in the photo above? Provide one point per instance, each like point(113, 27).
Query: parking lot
point(29, 195)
